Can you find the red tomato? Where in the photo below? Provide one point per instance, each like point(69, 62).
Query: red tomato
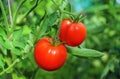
point(72, 33)
point(49, 57)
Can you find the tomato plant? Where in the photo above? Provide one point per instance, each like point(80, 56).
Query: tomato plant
point(24, 22)
point(72, 33)
point(49, 57)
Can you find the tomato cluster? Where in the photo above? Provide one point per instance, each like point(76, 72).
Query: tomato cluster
point(50, 56)
point(72, 33)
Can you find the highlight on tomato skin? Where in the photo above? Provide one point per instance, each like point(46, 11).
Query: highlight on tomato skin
point(72, 34)
point(49, 57)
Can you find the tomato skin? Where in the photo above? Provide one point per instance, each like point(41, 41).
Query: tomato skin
point(49, 57)
point(64, 24)
point(74, 33)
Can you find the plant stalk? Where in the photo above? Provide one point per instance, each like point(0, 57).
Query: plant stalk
point(5, 17)
point(10, 13)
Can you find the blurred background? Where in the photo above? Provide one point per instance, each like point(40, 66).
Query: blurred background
point(103, 34)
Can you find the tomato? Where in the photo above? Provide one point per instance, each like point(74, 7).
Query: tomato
point(72, 33)
point(49, 57)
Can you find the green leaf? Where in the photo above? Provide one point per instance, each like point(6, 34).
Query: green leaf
point(26, 48)
point(64, 4)
point(17, 51)
point(110, 67)
point(3, 49)
point(15, 76)
point(17, 34)
point(47, 23)
point(8, 44)
point(19, 44)
point(50, 20)
point(26, 30)
point(1, 62)
point(83, 52)
point(2, 33)
point(1, 41)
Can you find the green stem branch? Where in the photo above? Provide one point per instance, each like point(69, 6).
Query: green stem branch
point(68, 13)
point(82, 18)
point(33, 7)
point(16, 12)
point(5, 17)
point(16, 61)
point(10, 13)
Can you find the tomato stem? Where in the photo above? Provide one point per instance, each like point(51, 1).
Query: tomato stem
point(82, 18)
point(68, 13)
point(55, 42)
point(78, 17)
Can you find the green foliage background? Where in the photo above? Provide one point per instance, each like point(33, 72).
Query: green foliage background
point(34, 19)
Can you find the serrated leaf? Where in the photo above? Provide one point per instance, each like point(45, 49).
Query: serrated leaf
point(83, 52)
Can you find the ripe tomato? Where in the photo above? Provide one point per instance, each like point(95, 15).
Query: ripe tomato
point(72, 33)
point(49, 57)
